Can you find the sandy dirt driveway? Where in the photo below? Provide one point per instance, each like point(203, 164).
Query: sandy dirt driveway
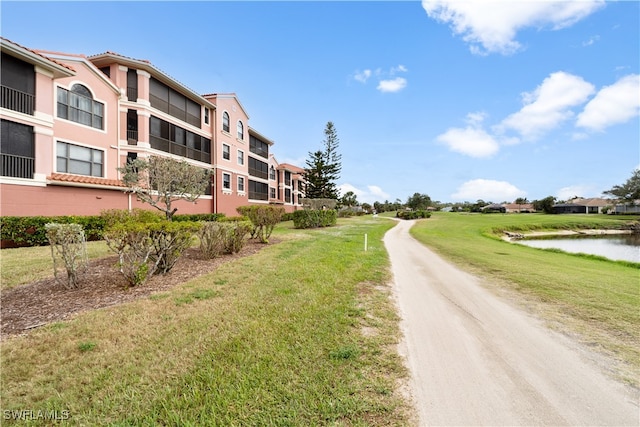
point(477, 360)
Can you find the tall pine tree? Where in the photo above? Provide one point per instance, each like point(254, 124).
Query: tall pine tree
point(324, 167)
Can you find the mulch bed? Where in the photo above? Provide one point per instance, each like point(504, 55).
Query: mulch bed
point(30, 306)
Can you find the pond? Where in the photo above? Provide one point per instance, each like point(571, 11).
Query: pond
point(625, 247)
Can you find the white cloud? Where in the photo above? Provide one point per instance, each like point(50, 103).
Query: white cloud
point(568, 193)
point(487, 190)
point(549, 105)
point(394, 85)
point(362, 76)
point(399, 69)
point(372, 194)
point(591, 41)
point(491, 27)
point(613, 104)
point(473, 140)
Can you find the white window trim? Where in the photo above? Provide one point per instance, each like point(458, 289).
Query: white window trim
point(238, 157)
point(244, 185)
point(226, 145)
point(80, 144)
point(226, 190)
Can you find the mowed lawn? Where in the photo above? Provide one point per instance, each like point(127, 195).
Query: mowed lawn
point(592, 298)
point(302, 333)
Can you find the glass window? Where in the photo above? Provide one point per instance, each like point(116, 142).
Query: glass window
point(226, 181)
point(240, 130)
point(240, 183)
point(225, 121)
point(272, 173)
point(240, 157)
point(78, 160)
point(78, 106)
point(226, 152)
point(206, 116)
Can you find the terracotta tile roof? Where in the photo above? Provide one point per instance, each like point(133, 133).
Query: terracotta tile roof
point(83, 179)
point(290, 167)
point(40, 54)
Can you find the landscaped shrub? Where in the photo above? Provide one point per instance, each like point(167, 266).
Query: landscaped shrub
point(217, 238)
point(413, 214)
point(30, 230)
point(199, 217)
point(313, 218)
point(146, 243)
point(263, 218)
point(68, 251)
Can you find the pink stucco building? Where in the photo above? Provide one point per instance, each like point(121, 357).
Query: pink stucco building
point(69, 121)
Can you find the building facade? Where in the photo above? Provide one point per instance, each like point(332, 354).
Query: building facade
point(69, 121)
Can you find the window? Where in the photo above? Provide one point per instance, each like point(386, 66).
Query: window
point(258, 169)
point(226, 152)
point(272, 173)
point(170, 138)
point(258, 190)
point(174, 103)
point(18, 85)
point(240, 157)
point(17, 150)
point(241, 184)
point(78, 106)
point(258, 147)
point(226, 181)
point(225, 121)
point(78, 160)
point(272, 192)
point(240, 130)
point(206, 116)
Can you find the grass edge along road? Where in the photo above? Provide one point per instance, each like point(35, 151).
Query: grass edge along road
point(588, 297)
point(302, 333)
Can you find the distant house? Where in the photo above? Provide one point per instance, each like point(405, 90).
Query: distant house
point(582, 206)
point(494, 207)
point(519, 207)
point(632, 208)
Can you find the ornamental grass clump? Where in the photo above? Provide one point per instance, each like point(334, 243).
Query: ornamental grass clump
point(68, 251)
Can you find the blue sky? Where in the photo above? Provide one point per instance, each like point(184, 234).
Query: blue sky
point(458, 100)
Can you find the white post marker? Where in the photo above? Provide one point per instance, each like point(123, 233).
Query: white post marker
point(365, 242)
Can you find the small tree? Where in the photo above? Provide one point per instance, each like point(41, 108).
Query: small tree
point(349, 199)
point(159, 181)
point(263, 218)
point(545, 205)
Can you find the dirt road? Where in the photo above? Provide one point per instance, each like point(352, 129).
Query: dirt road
point(477, 360)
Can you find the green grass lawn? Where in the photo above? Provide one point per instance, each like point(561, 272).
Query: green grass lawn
point(302, 333)
point(595, 298)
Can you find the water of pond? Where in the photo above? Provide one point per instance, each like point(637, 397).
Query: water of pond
point(617, 247)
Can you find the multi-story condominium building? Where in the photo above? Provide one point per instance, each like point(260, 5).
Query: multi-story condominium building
point(69, 121)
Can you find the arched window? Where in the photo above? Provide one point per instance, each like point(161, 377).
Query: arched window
point(79, 106)
point(225, 121)
point(240, 130)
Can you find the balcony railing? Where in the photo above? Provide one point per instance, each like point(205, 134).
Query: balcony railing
point(16, 100)
point(132, 94)
point(132, 137)
point(17, 166)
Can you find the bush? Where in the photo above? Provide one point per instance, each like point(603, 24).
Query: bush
point(413, 214)
point(146, 243)
point(199, 217)
point(68, 247)
point(221, 237)
point(30, 230)
point(312, 218)
point(263, 218)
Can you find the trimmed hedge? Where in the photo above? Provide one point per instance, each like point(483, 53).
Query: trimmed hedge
point(311, 218)
point(30, 231)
